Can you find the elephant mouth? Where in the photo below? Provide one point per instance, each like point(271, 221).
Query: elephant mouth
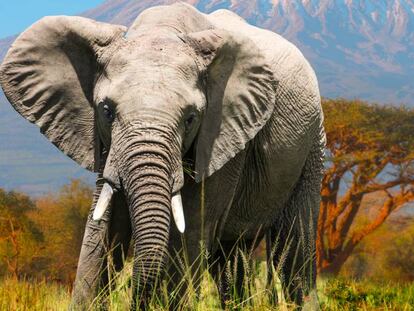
point(104, 200)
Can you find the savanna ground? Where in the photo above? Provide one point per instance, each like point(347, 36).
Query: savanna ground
point(365, 233)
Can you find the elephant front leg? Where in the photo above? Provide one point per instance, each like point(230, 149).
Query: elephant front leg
point(91, 264)
point(110, 235)
point(294, 260)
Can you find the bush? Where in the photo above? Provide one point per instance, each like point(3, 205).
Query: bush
point(42, 239)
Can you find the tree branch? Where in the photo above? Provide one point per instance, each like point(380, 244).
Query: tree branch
point(374, 187)
point(391, 204)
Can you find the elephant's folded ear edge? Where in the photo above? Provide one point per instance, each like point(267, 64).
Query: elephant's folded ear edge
point(241, 96)
point(48, 76)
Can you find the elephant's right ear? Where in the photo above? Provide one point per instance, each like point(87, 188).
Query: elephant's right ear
point(49, 74)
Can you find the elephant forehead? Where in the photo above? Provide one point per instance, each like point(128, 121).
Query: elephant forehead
point(164, 67)
point(140, 79)
point(159, 66)
point(152, 52)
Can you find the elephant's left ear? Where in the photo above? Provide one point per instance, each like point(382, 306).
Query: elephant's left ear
point(49, 74)
point(240, 90)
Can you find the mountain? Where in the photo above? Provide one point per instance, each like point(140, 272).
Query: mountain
point(362, 49)
point(4, 45)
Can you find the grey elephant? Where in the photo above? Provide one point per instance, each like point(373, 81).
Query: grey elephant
point(238, 104)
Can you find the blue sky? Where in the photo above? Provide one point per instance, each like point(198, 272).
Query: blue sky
point(17, 15)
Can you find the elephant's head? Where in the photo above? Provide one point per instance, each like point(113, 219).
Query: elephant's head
point(132, 104)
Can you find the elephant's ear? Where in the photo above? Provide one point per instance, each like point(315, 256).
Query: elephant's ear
point(240, 91)
point(48, 75)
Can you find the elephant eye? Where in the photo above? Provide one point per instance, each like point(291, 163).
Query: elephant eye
point(189, 121)
point(108, 112)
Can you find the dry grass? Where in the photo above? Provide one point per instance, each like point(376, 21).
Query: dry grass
point(334, 294)
point(19, 295)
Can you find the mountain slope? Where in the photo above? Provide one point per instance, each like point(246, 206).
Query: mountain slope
point(361, 49)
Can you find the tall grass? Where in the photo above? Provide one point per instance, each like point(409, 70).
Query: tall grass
point(334, 294)
point(19, 295)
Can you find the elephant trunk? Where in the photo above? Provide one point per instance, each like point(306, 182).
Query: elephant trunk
point(145, 171)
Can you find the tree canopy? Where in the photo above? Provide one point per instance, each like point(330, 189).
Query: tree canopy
point(370, 148)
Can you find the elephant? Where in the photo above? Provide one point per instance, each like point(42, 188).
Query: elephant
point(201, 120)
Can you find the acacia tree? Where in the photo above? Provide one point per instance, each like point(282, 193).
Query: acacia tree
point(370, 149)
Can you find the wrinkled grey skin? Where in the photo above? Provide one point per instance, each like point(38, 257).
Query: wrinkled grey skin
point(240, 103)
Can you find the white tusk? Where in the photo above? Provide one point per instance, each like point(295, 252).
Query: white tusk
point(177, 210)
point(103, 201)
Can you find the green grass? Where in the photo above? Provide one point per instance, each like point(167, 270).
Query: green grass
point(334, 294)
point(342, 294)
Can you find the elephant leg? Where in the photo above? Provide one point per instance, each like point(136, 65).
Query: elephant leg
point(293, 237)
point(230, 267)
point(288, 261)
point(99, 238)
point(91, 259)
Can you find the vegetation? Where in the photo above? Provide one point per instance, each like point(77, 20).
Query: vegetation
point(386, 254)
point(19, 235)
point(341, 294)
point(370, 149)
point(33, 295)
point(42, 239)
point(334, 294)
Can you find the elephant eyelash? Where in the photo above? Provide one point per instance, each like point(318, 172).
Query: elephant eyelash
point(190, 120)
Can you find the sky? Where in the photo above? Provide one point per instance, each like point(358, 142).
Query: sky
point(17, 15)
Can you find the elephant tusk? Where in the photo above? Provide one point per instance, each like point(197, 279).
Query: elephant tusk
point(177, 210)
point(103, 201)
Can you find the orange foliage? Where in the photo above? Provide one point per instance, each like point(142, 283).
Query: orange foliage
point(59, 220)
